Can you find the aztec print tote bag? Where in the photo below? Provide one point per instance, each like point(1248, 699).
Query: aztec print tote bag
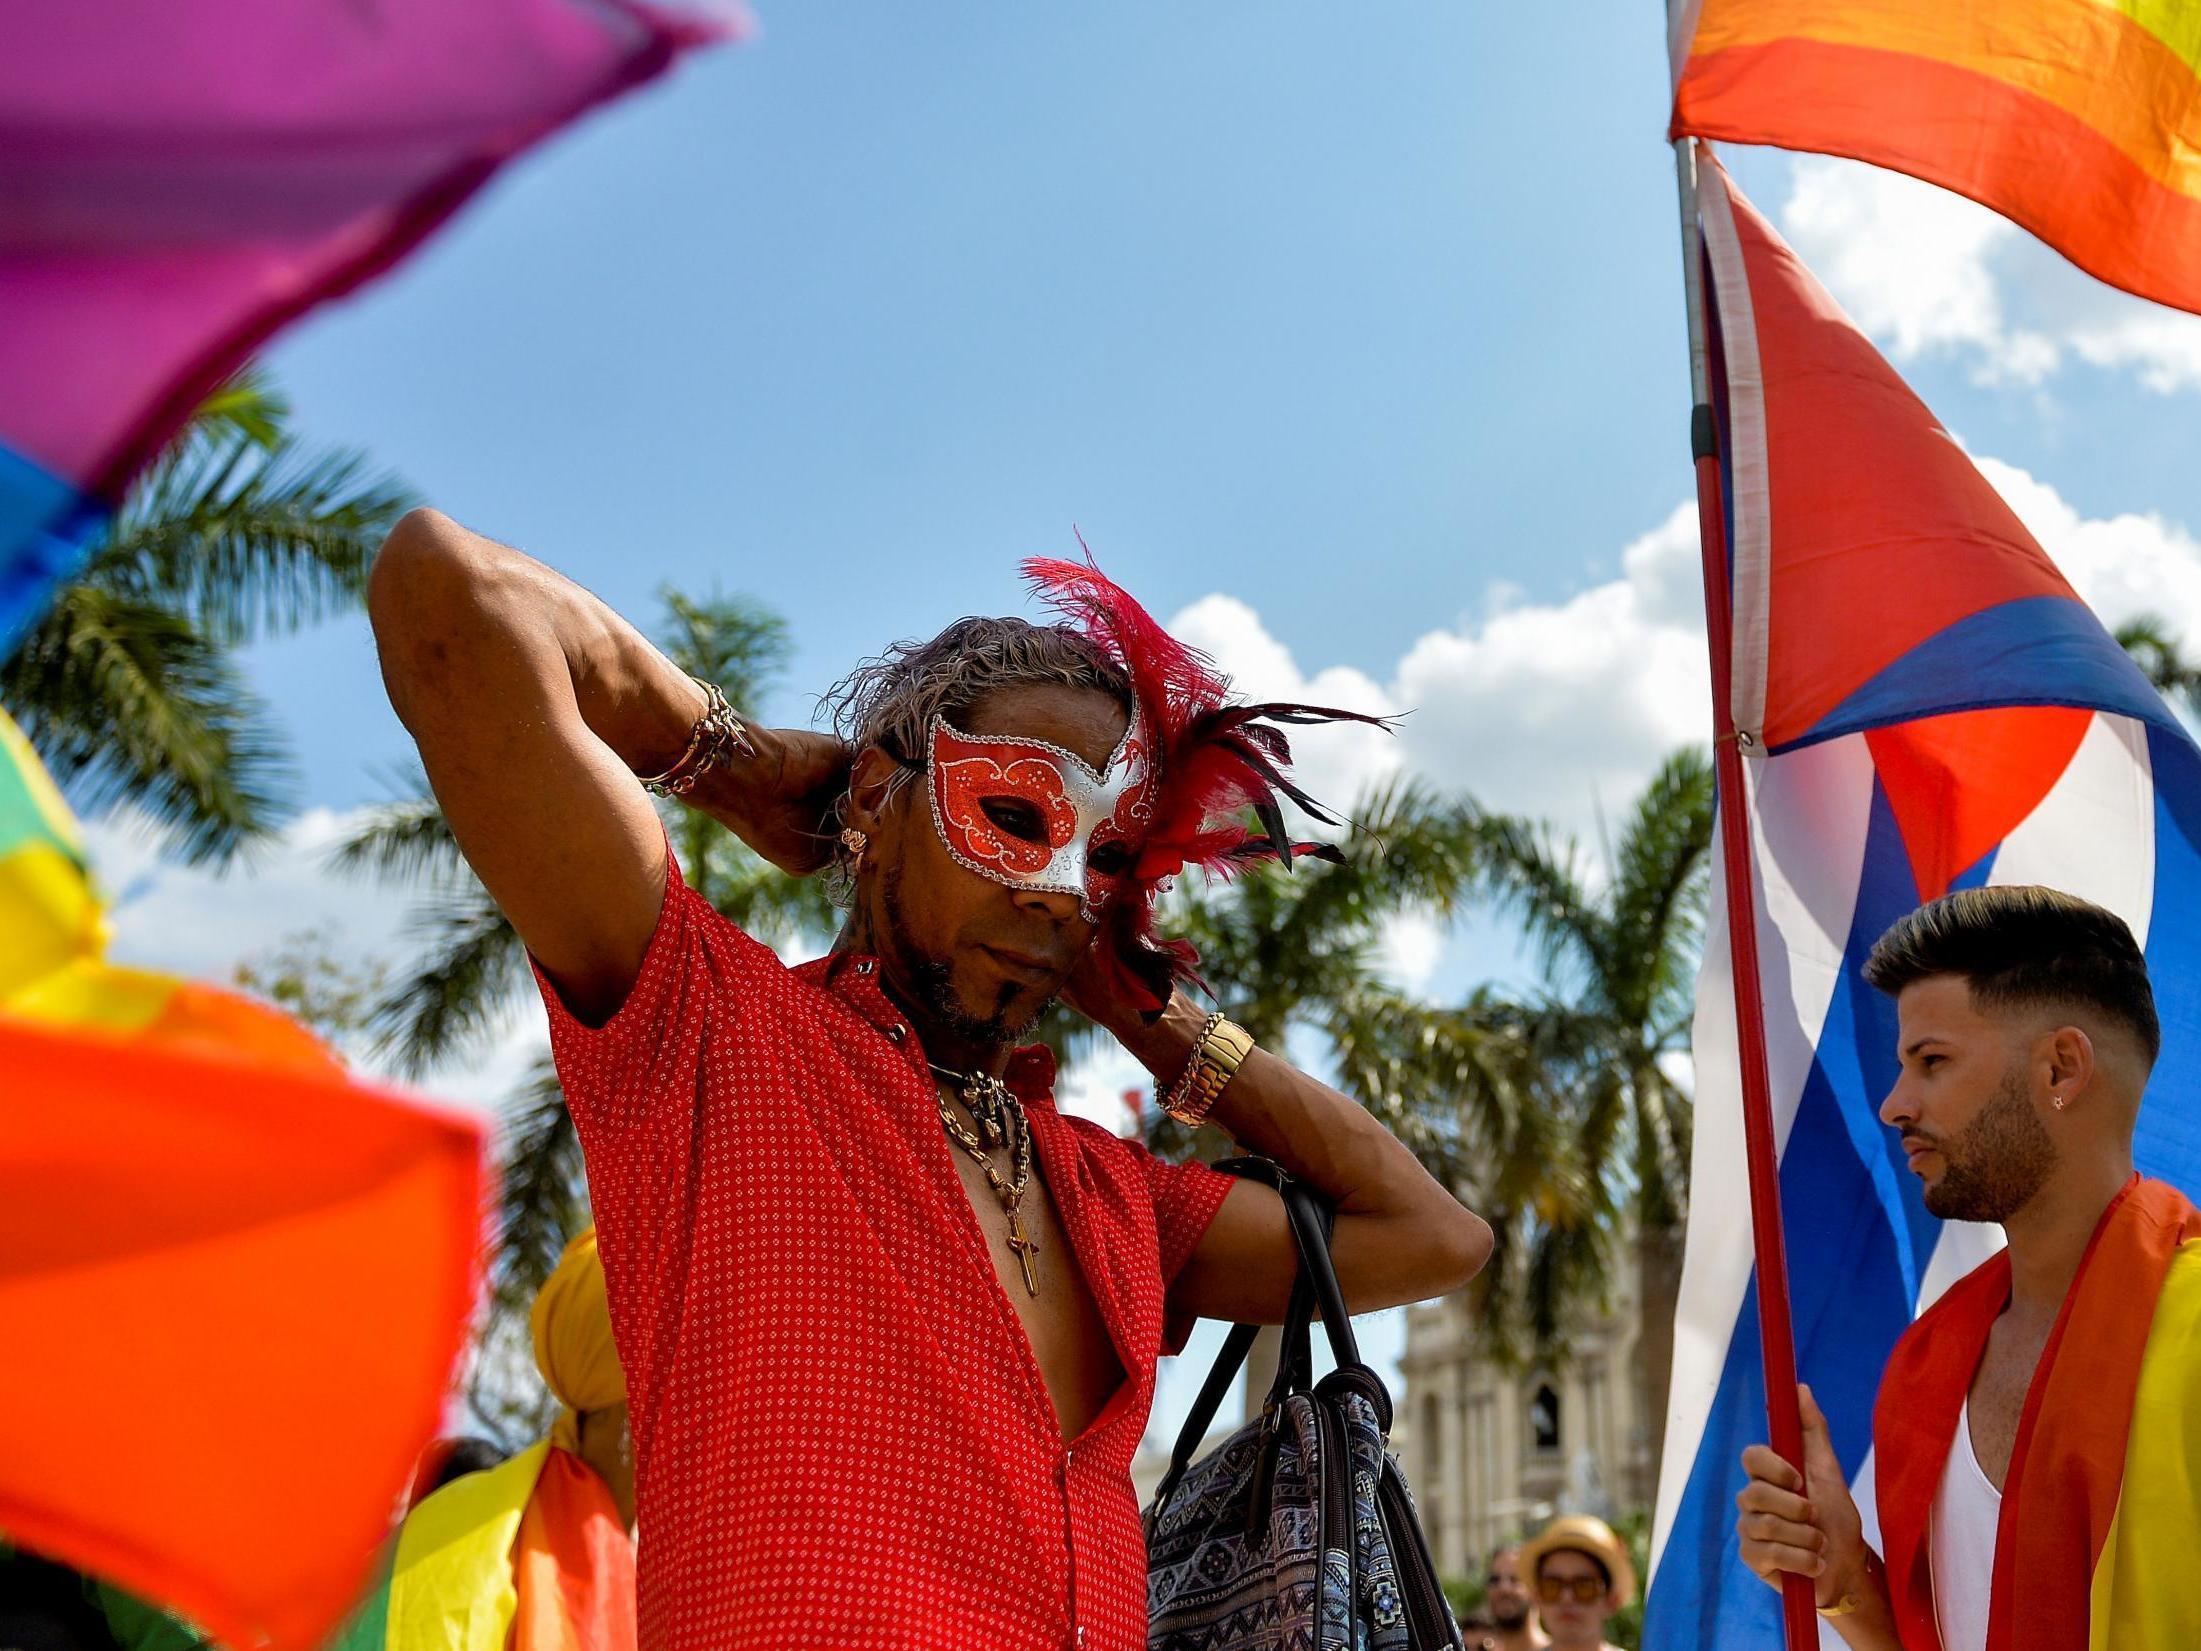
point(1297, 1533)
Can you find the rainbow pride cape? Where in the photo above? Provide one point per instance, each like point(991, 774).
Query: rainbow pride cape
point(2108, 1456)
point(2080, 119)
point(179, 180)
point(527, 1556)
point(233, 1282)
point(1927, 705)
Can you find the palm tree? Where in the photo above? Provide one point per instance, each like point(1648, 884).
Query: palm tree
point(2158, 652)
point(1297, 949)
point(472, 970)
point(1619, 953)
point(129, 688)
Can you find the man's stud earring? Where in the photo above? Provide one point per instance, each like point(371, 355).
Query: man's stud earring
point(2058, 1101)
point(856, 842)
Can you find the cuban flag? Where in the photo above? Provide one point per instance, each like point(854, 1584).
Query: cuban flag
point(1925, 705)
point(178, 181)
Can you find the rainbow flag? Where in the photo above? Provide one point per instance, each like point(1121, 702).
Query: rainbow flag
point(233, 1283)
point(2107, 1460)
point(178, 181)
point(2079, 119)
point(530, 1555)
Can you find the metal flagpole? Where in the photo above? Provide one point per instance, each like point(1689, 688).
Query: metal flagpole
point(1776, 1336)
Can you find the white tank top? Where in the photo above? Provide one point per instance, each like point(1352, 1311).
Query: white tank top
point(1967, 1509)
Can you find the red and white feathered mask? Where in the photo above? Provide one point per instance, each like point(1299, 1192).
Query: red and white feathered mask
point(1072, 830)
point(1175, 793)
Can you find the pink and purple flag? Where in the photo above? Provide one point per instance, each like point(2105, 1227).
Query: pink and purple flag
point(178, 181)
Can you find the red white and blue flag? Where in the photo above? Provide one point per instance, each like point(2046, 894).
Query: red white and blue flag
point(1926, 705)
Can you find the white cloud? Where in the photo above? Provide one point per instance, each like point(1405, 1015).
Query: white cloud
point(1554, 709)
point(1334, 764)
point(2123, 565)
point(192, 921)
point(200, 923)
point(1928, 272)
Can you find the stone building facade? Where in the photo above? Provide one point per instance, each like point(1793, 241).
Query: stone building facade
point(1493, 1451)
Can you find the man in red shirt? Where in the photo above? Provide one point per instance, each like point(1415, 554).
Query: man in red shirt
point(889, 1321)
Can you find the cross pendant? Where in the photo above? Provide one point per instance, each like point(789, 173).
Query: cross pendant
point(1025, 1247)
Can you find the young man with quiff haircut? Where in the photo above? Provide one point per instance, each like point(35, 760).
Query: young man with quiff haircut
point(2035, 1451)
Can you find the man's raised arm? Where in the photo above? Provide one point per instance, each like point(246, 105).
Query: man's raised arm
point(1399, 1237)
point(534, 707)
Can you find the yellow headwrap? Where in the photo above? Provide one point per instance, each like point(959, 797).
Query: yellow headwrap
point(573, 1345)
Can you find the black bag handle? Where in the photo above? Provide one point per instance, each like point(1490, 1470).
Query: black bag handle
point(1310, 1218)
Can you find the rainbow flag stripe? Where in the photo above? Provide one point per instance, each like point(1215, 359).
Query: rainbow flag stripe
point(203, 1220)
point(2079, 119)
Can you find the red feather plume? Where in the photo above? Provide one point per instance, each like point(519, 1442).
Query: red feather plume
point(1218, 760)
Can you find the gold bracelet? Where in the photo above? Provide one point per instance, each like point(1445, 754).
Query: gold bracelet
point(1843, 1606)
point(1221, 1049)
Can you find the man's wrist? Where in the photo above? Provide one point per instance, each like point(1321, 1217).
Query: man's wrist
point(1859, 1608)
point(731, 792)
point(1164, 1046)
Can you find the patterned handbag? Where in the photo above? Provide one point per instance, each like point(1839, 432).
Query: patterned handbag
point(1298, 1532)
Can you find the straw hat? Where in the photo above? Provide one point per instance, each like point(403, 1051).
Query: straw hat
point(1581, 1533)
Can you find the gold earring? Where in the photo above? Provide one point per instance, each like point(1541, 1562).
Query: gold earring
point(855, 842)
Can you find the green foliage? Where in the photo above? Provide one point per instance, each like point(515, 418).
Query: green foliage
point(1606, 1161)
point(313, 980)
point(2160, 653)
point(1297, 949)
point(1625, 1627)
point(129, 688)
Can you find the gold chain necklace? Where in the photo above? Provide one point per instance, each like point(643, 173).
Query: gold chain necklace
point(999, 1117)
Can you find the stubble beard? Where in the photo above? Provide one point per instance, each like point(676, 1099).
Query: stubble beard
point(932, 979)
point(1997, 1162)
point(1509, 1620)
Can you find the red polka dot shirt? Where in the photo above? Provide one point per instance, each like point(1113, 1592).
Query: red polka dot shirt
point(841, 1436)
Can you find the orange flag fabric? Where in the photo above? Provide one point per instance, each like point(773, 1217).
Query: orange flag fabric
point(573, 1565)
point(231, 1293)
point(2078, 119)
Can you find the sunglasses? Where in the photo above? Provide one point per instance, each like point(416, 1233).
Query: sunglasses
point(1583, 1590)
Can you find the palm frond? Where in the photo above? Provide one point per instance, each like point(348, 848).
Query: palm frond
point(125, 698)
point(1531, 873)
point(1410, 849)
point(1657, 894)
point(448, 1004)
point(406, 840)
point(246, 404)
point(733, 641)
point(250, 542)
point(542, 1198)
point(2158, 650)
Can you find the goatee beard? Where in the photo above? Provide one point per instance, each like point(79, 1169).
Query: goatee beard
point(933, 982)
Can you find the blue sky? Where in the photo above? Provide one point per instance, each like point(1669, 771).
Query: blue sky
point(1352, 339)
point(1351, 321)
point(1355, 322)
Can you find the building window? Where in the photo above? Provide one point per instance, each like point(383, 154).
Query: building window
point(1543, 1417)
